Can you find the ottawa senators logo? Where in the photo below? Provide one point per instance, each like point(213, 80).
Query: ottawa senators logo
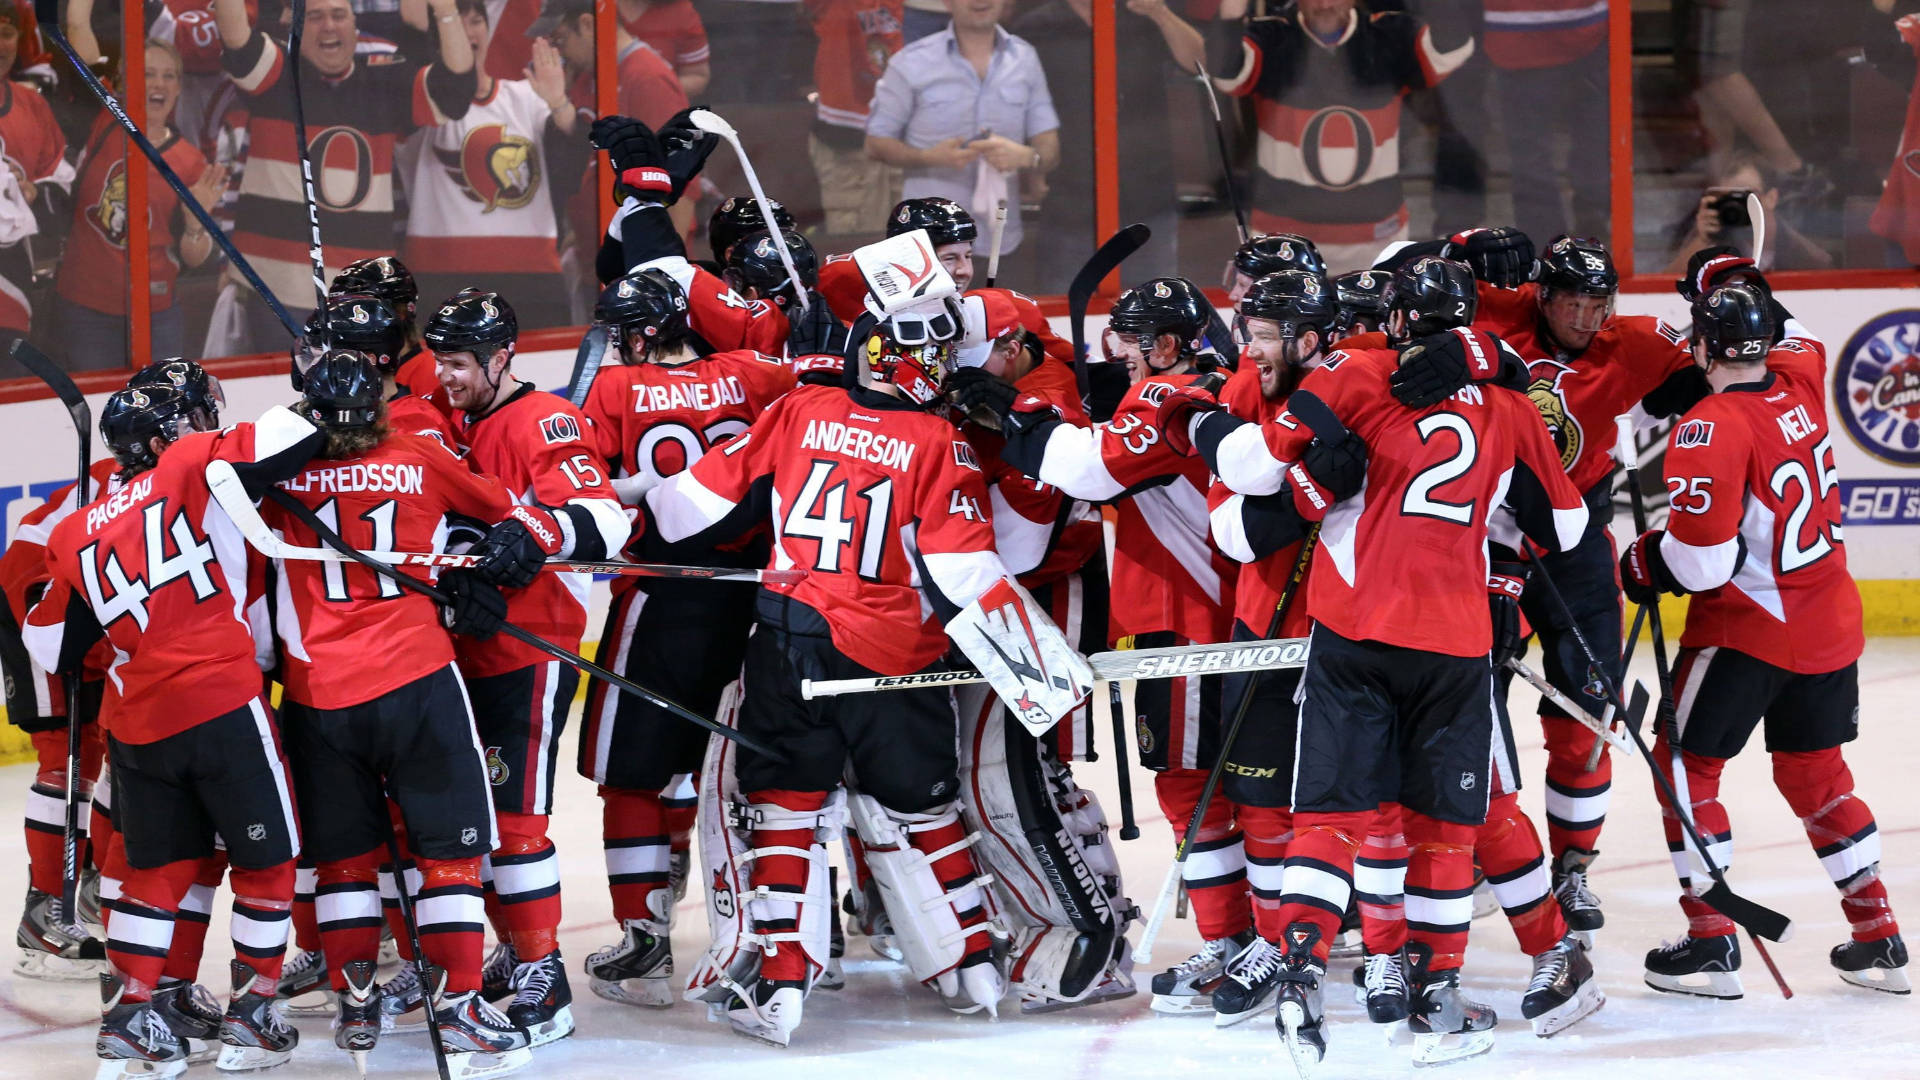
point(1545, 392)
point(108, 214)
point(494, 168)
point(497, 771)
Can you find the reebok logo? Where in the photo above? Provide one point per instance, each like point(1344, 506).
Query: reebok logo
point(537, 527)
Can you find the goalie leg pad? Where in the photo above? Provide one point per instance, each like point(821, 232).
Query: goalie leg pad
point(934, 897)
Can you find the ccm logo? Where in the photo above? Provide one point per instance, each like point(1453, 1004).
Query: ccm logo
point(560, 428)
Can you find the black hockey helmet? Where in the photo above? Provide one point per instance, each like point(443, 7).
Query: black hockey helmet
point(737, 217)
point(1578, 265)
point(1168, 305)
point(1359, 302)
point(1296, 299)
point(343, 391)
point(646, 309)
point(1263, 255)
point(133, 417)
point(204, 396)
point(472, 320)
point(755, 262)
point(1431, 294)
point(361, 322)
point(384, 276)
point(946, 221)
point(1735, 323)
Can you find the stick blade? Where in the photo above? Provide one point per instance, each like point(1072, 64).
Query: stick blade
point(1105, 260)
point(1758, 919)
point(228, 490)
point(1637, 707)
point(711, 122)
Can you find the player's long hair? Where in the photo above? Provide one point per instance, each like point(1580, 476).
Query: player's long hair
point(350, 442)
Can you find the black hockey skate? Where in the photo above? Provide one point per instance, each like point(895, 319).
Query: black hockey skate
point(403, 1004)
point(1381, 986)
point(1300, 1014)
point(192, 1014)
point(834, 975)
point(1577, 902)
point(1563, 991)
point(253, 1034)
point(53, 948)
point(1703, 967)
point(638, 970)
point(1447, 1026)
point(1252, 977)
point(479, 1041)
point(134, 1040)
point(358, 1028)
point(1877, 965)
point(496, 974)
point(303, 984)
point(1187, 987)
point(542, 1001)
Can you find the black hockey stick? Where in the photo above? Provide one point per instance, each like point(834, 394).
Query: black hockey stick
point(43, 368)
point(46, 12)
point(586, 363)
point(1626, 658)
point(420, 969)
point(1129, 828)
point(333, 539)
point(1085, 283)
point(315, 253)
point(1220, 144)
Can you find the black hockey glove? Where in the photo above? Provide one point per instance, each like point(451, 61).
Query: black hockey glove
point(474, 608)
point(512, 552)
point(1501, 257)
point(639, 161)
point(1434, 368)
point(1643, 571)
point(687, 148)
point(984, 397)
point(1505, 582)
point(1329, 471)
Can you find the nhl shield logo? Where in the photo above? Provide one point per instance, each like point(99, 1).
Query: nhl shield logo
point(256, 832)
point(497, 772)
point(1467, 781)
point(468, 835)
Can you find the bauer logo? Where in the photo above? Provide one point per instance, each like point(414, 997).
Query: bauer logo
point(1693, 433)
point(560, 428)
point(1876, 387)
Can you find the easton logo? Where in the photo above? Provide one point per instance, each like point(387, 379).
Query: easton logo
point(1693, 433)
point(560, 428)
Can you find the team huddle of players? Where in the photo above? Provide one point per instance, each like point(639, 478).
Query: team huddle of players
point(1410, 467)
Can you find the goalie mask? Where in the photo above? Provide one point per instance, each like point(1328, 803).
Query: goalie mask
point(917, 316)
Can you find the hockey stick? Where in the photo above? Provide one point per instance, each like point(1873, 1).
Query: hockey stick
point(1626, 658)
point(1080, 291)
point(1756, 213)
point(1220, 143)
point(586, 364)
point(231, 494)
point(1171, 662)
point(999, 231)
point(43, 368)
point(1123, 769)
point(405, 894)
point(713, 124)
point(47, 14)
point(1603, 733)
point(315, 253)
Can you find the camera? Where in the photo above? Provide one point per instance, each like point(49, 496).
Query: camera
point(1732, 208)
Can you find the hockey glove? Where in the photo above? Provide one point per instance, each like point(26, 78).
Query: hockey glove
point(513, 551)
point(639, 161)
point(686, 148)
point(1643, 572)
point(1505, 582)
point(1177, 410)
point(1326, 473)
point(1434, 368)
point(984, 397)
point(1501, 257)
point(474, 608)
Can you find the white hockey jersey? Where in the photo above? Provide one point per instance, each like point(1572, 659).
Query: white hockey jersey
point(477, 201)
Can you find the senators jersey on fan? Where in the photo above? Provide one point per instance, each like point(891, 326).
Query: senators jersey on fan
point(1242, 530)
point(1579, 396)
point(159, 568)
point(1404, 561)
point(23, 570)
point(1329, 115)
point(1755, 528)
point(541, 450)
point(396, 497)
point(881, 502)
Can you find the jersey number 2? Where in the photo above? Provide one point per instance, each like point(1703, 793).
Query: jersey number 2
point(1419, 500)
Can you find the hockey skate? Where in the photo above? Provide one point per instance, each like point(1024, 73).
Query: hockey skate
point(1447, 1025)
point(54, 949)
point(403, 1007)
point(1349, 942)
point(1381, 988)
point(303, 985)
point(92, 915)
point(769, 1011)
point(1300, 1015)
point(479, 1041)
point(542, 1001)
point(870, 918)
point(638, 970)
point(834, 975)
point(1563, 991)
point(1877, 965)
point(1252, 978)
point(1187, 987)
point(253, 1034)
point(496, 974)
point(357, 1029)
point(134, 1040)
point(389, 948)
point(975, 985)
point(1703, 967)
point(193, 1015)
point(1095, 968)
point(1577, 902)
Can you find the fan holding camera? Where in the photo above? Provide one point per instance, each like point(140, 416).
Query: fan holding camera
point(1741, 210)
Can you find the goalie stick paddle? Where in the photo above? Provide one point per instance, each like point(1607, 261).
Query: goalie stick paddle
point(43, 368)
point(1171, 662)
point(1080, 291)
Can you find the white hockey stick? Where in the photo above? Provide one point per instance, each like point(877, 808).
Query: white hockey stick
point(1552, 693)
point(230, 494)
point(1168, 663)
point(1757, 214)
point(999, 230)
point(712, 123)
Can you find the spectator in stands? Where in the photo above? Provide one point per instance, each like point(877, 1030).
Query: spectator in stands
point(510, 47)
point(674, 30)
point(923, 17)
point(761, 51)
point(34, 149)
point(1711, 54)
point(27, 59)
point(966, 113)
point(481, 206)
point(1722, 217)
point(856, 39)
point(1551, 64)
point(1327, 82)
point(354, 120)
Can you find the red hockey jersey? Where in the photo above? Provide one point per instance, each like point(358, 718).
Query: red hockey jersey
point(1259, 581)
point(1042, 534)
point(23, 567)
point(1752, 466)
point(880, 501)
point(657, 420)
point(721, 316)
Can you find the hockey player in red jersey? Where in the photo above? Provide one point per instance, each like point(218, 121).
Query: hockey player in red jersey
point(367, 324)
point(1270, 254)
point(357, 737)
point(385, 277)
point(947, 224)
point(735, 219)
point(1773, 631)
point(539, 447)
point(193, 741)
point(660, 410)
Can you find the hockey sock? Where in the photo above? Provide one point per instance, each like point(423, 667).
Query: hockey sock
point(942, 838)
point(390, 906)
point(1216, 867)
point(1509, 852)
point(141, 931)
point(1819, 787)
point(452, 920)
point(1380, 882)
point(262, 920)
point(526, 884)
point(114, 872)
point(306, 922)
point(1266, 830)
point(190, 922)
point(347, 905)
point(1577, 800)
point(1439, 887)
point(47, 810)
point(780, 866)
point(1710, 820)
point(682, 803)
point(637, 836)
point(1318, 880)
